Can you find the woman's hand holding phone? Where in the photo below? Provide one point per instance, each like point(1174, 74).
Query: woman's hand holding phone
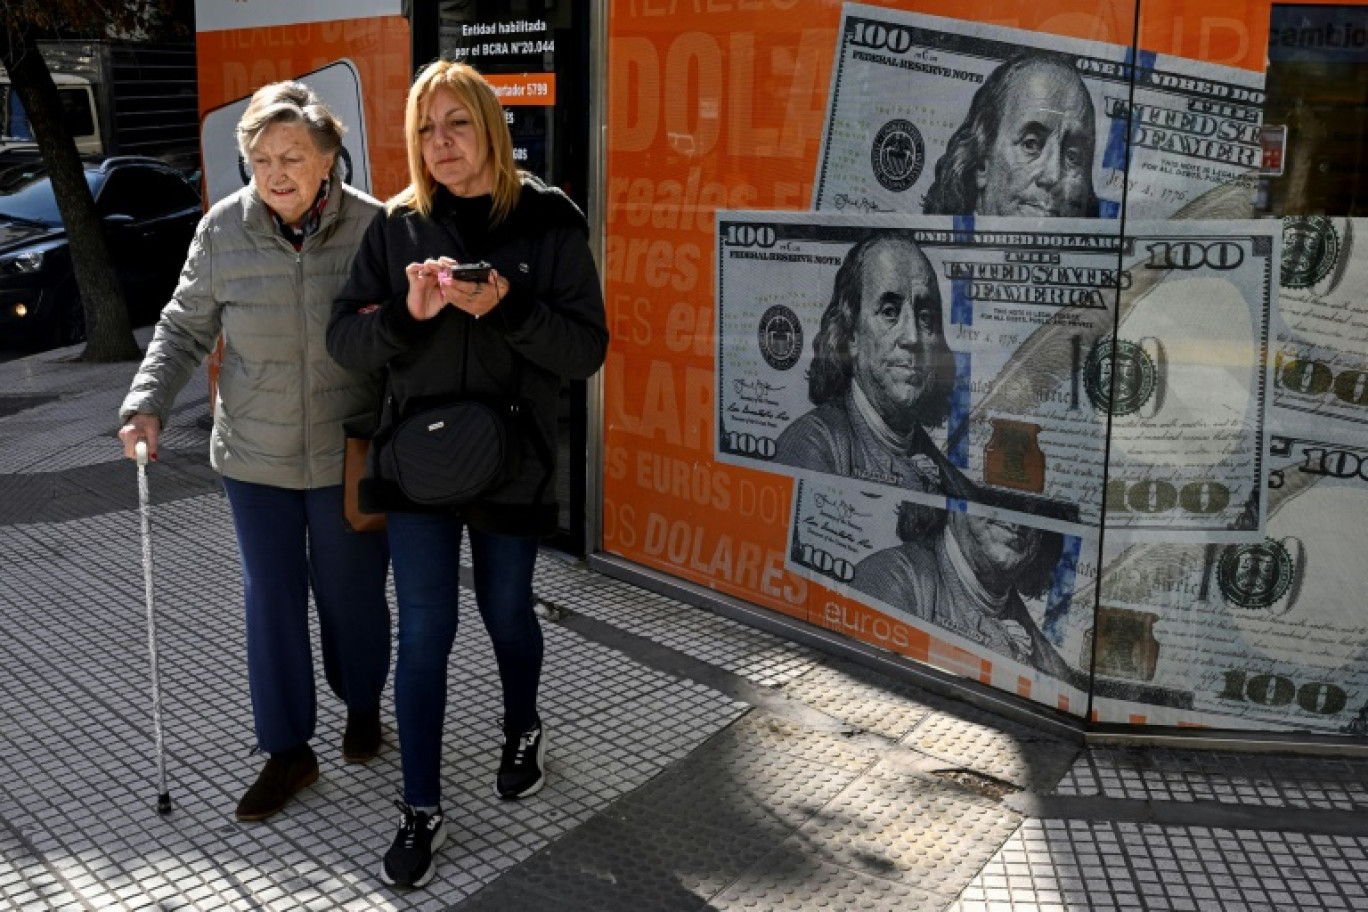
point(475, 288)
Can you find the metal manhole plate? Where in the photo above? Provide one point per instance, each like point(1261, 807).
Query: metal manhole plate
point(978, 783)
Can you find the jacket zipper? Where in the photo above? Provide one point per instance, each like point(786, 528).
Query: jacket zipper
point(306, 367)
point(466, 330)
point(325, 225)
point(328, 219)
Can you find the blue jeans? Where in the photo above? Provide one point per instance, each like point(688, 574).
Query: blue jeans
point(427, 583)
point(293, 541)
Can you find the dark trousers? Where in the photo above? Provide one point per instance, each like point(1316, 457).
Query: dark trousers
point(427, 585)
point(291, 542)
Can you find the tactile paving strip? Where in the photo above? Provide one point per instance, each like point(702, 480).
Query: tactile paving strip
point(988, 744)
point(894, 824)
point(1064, 865)
point(792, 880)
point(762, 731)
point(1251, 779)
point(848, 832)
point(742, 779)
point(863, 698)
point(625, 858)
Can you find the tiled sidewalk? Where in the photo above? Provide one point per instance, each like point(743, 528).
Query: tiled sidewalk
point(695, 763)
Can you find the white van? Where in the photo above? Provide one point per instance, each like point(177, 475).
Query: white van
point(78, 107)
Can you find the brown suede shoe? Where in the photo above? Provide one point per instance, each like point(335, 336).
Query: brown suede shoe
point(284, 774)
point(361, 741)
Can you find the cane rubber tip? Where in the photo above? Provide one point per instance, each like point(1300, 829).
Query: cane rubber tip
point(140, 448)
point(164, 804)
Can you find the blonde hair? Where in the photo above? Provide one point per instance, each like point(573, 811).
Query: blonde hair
point(289, 102)
point(487, 117)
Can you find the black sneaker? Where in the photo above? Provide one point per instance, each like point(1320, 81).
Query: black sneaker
point(409, 862)
point(521, 768)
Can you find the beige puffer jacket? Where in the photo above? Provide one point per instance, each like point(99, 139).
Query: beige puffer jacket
point(281, 398)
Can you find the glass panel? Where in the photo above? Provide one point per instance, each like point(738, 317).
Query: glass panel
point(971, 332)
point(834, 233)
point(1264, 632)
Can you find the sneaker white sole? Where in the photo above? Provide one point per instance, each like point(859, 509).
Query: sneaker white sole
point(438, 841)
point(536, 786)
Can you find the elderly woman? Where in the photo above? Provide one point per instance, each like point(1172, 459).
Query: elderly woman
point(263, 269)
point(535, 318)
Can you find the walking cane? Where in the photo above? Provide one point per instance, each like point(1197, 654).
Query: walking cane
point(145, 511)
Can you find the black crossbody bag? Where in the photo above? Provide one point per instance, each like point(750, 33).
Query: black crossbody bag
point(451, 454)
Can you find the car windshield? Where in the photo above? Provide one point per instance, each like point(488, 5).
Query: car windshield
point(26, 194)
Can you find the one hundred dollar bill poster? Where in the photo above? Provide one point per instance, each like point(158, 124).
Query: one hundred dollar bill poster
point(971, 358)
point(1320, 365)
point(1264, 635)
point(942, 116)
point(998, 585)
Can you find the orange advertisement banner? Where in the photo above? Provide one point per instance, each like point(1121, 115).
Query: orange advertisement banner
point(1229, 32)
point(722, 105)
point(236, 62)
point(524, 88)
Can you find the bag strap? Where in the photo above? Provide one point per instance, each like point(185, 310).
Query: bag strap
point(353, 429)
point(521, 411)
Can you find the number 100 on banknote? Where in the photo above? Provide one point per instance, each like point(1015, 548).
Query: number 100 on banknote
point(1038, 366)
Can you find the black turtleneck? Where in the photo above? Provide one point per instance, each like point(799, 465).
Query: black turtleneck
point(471, 216)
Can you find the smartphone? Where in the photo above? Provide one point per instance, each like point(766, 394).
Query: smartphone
point(471, 272)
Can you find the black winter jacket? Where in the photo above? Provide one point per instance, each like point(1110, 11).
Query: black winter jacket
point(551, 325)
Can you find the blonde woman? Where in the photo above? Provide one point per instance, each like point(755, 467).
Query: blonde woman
point(536, 318)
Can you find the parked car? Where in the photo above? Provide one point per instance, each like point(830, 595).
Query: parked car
point(149, 213)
